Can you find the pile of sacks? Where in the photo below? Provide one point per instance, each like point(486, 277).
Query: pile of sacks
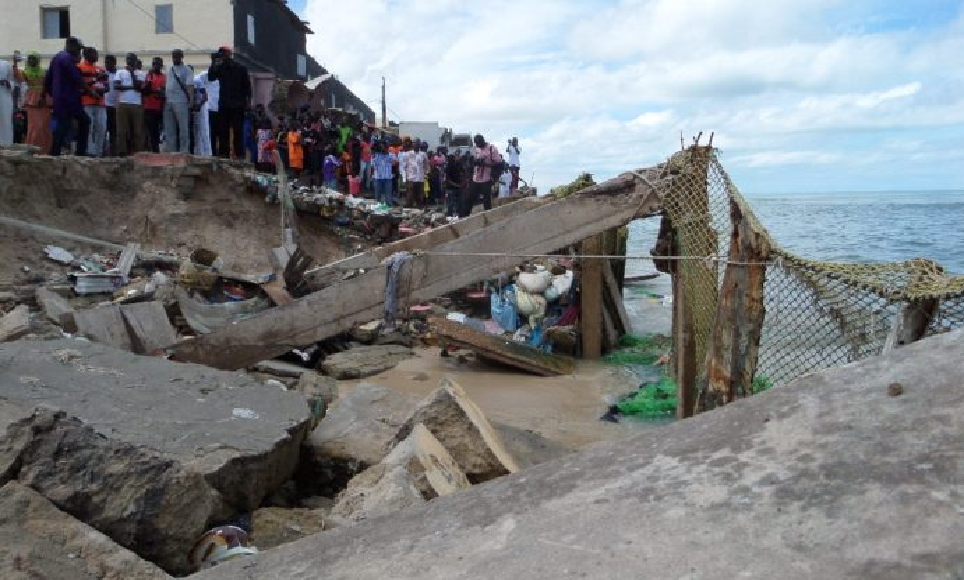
point(534, 290)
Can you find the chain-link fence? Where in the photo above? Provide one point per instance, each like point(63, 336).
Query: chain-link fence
point(817, 314)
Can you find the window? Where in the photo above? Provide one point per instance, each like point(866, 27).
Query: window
point(250, 28)
point(164, 19)
point(302, 65)
point(55, 22)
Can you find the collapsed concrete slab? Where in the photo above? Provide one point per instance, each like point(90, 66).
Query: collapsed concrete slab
point(274, 526)
point(832, 476)
point(15, 324)
point(427, 466)
point(40, 541)
point(463, 429)
point(242, 437)
point(365, 361)
point(142, 500)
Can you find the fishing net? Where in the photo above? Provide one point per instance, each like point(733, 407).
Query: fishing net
point(818, 314)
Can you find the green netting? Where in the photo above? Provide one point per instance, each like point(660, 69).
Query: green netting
point(653, 401)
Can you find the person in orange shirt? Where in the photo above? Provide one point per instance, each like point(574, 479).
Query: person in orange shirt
point(296, 151)
point(95, 87)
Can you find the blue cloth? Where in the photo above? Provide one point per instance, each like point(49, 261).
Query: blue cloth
point(63, 83)
point(382, 162)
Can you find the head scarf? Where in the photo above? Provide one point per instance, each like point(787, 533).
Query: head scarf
point(33, 73)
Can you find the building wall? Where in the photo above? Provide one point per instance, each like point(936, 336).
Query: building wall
point(279, 38)
point(118, 27)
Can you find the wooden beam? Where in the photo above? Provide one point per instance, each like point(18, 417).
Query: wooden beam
point(332, 272)
point(911, 323)
point(614, 300)
point(731, 354)
point(449, 266)
point(520, 356)
point(591, 297)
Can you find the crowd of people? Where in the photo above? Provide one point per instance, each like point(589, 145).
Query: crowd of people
point(78, 106)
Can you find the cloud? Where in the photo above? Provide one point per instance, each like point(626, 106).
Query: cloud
point(609, 85)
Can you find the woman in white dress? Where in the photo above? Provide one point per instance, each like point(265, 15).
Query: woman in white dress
point(202, 126)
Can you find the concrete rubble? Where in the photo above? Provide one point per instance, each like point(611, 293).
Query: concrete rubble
point(147, 451)
point(15, 324)
point(40, 541)
point(365, 361)
point(828, 477)
point(273, 526)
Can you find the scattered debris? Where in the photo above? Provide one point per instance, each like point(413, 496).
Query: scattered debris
point(895, 389)
point(58, 254)
point(56, 309)
point(149, 327)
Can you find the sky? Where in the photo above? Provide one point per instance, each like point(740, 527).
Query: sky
point(801, 95)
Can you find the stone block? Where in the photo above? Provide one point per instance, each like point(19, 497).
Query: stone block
point(365, 361)
point(56, 309)
point(15, 324)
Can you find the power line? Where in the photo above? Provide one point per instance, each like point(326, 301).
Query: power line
point(151, 16)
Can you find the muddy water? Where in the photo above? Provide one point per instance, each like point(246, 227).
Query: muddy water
point(563, 409)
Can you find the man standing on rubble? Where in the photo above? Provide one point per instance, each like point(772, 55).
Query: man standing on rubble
point(234, 99)
point(179, 100)
point(65, 83)
point(7, 105)
point(95, 87)
point(485, 158)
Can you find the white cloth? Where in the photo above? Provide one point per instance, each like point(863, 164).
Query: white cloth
point(513, 154)
point(408, 167)
point(505, 182)
point(6, 104)
point(130, 96)
point(112, 96)
point(202, 126)
point(213, 89)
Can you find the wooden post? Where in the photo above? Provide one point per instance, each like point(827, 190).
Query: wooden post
point(731, 355)
point(591, 297)
point(911, 323)
point(684, 348)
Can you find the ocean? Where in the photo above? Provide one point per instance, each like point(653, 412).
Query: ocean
point(849, 227)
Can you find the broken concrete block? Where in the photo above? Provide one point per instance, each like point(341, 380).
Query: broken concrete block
point(104, 325)
point(274, 526)
point(362, 425)
point(40, 541)
point(463, 429)
point(141, 499)
point(316, 387)
point(57, 309)
point(15, 324)
point(242, 437)
point(365, 361)
point(149, 328)
point(434, 471)
point(376, 492)
point(367, 333)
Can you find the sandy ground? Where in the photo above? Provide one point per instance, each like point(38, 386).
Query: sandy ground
point(563, 409)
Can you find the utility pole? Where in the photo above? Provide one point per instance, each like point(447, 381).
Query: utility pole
point(384, 107)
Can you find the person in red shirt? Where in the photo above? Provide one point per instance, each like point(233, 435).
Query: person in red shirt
point(92, 98)
point(154, 103)
point(366, 161)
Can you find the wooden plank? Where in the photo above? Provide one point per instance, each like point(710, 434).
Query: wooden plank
point(685, 351)
point(520, 356)
point(149, 328)
point(610, 336)
point(331, 273)
point(105, 325)
point(591, 298)
point(56, 309)
point(731, 354)
point(448, 267)
point(614, 299)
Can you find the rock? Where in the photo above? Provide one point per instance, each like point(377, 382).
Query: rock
point(376, 492)
point(242, 437)
point(318, 502)
point(463, 429)
point(829, 476)
point(316, 387)
point(104, 325)
point(367, 333)
point(142, 500)
point(15, 324)
point(529, 448)
point(272, 526)
point(280, 368)
point(361, 427)
point(395, 338)
point(56, 309)
point(149, 328)
point(433, 470)
point(40, 541)
point(365, 361)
